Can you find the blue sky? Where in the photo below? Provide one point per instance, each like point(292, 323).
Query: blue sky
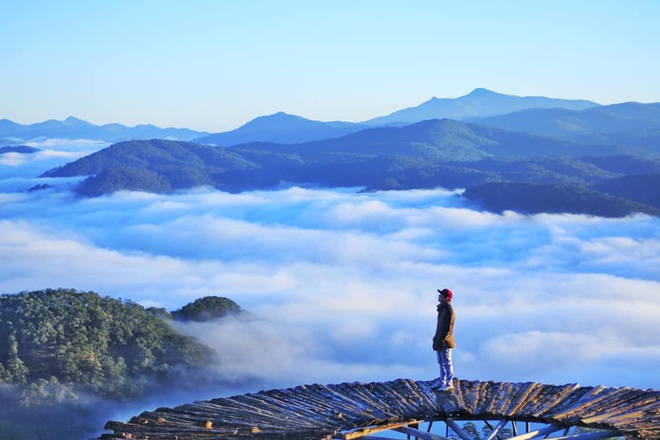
point(214, 65)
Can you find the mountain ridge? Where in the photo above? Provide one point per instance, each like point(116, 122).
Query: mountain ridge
point(281, 127)
point(630, 123)
point(429, 154)
point(75, 128)
point(300, 129)
point(480, 102)
point(448, 134)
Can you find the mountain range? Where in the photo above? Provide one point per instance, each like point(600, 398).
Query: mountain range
point(479, 103)
point(288, 129)
point(539, 172)
point(557, 156)
point(74, 128)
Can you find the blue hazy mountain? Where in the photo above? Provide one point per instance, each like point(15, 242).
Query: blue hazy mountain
point(281, 128)
point(479, 103)
point(74, 128)
point(22, 149)
point(290, 129)
point(629, 123)
point(284, 128)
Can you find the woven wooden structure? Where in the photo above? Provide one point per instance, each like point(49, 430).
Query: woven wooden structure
point(361, 410)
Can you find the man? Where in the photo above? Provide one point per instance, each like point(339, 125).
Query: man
point(443, 341)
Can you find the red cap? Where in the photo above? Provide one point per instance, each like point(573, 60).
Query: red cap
point(447, 293)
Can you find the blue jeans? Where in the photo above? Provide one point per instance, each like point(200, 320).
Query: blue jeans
point(446, 366)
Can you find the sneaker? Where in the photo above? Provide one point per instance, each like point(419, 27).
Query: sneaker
point(447, 387)
point(437, 384)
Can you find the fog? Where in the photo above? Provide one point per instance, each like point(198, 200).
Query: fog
point(341, 285)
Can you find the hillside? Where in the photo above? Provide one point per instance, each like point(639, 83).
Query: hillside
point(436, 153)
point(82, 342)
point(445, 139)
point(534, 199)
point(156, 166)
point(631, 124)
point(644, 188)
point(69, 358)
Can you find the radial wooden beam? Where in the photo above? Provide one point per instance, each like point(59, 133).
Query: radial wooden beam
point(495, 431)
point(354, 410)
point(418, 434)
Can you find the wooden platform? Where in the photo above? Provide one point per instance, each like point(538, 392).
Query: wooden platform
point(355, 410)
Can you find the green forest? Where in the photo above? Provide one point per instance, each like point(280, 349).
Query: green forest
point(62, 349)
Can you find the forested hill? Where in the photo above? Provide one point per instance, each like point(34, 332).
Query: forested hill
point(65, 354)
point(629, 123)
point(81, 341)
point(435, 153)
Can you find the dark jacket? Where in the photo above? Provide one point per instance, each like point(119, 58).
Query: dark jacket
point(444, 331)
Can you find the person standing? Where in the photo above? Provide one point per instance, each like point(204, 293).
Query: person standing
point(443, 340)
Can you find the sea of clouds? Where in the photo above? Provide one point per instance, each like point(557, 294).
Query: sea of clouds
point(341, 285)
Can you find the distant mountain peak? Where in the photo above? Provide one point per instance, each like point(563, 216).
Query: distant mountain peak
point(72, 120)
point(476, 93)
point(281, 128)
point(480, 92)
point(275, 121)
point(480, 102)
point(276, 114)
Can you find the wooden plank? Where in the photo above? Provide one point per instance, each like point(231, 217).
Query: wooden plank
point(525, 393)
point(460, 399)
point(619, 400)
point(551, 397)
point(475, 398)
point(284, 409)
point(415, 401)
point(362, 397)
point(502, 395)
point(318, 412)
point(361, 432)
point(575, 410)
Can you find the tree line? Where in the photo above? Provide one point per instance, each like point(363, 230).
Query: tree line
point(68, 357)
point(55, 343)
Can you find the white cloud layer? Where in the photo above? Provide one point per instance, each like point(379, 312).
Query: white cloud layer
point(341, 285)
point(52, 153)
